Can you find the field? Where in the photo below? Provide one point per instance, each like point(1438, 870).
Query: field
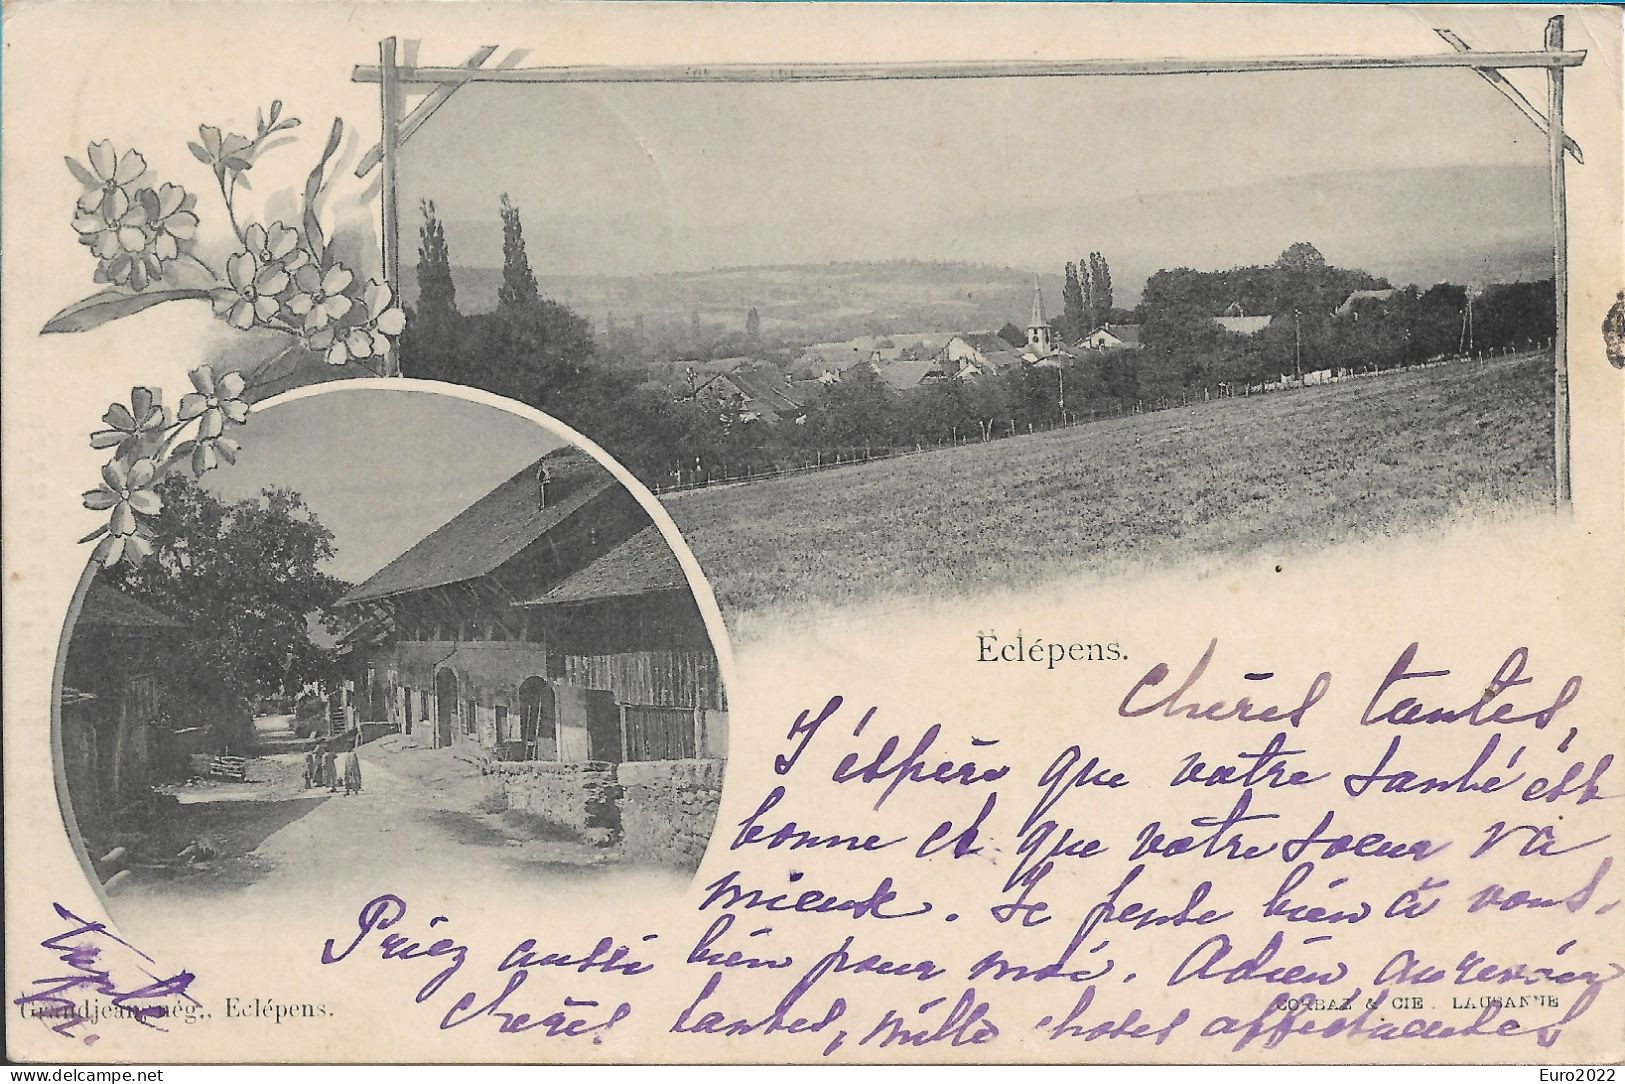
point(1309, 467)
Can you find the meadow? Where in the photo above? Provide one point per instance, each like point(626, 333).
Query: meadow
point(1304, 468)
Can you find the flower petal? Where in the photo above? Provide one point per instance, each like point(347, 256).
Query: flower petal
point(336, 354)
point(123, 521)
point(299, 304)
point(337, 278)
point(142, 472)
point(266, 307)
point(132, 238)
point(103, 159)
point(164, 247)
point(115, 204)
point(209, 428)
point(115, 475)
point(242, 316)
point(99, 499)
point(89, 225)
point(106, 244)
point(131, 166)
point(203, 457)
point(109, 550)
point(182, 224)
point(107, 438)
point(230, 385)
point(119, 417)
point(240, 271)
point(283, 241)
point(146, 502)
point(170, 198)
point(235, 409)
point(255, 238)
point(191, 406)
point(137, 549)
point(273, 280)
point(392, 321)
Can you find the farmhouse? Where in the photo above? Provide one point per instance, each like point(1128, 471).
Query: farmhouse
point(469, 640)
point(1112, 337)
point(1236, 320)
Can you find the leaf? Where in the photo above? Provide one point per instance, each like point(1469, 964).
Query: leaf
point(313, 188)
point(81, 174)
point(109, 305)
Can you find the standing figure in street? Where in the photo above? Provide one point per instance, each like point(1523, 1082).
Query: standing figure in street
point(352, 768)
point(313, 766)
point(330, 768)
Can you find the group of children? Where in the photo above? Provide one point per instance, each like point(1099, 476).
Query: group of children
point(322, 767)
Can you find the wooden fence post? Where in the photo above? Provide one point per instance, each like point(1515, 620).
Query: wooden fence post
point(389, 144)
point(1560, 264)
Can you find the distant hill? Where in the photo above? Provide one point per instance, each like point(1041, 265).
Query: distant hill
point(809, 301)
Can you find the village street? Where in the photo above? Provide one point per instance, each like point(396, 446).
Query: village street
point(422, 825)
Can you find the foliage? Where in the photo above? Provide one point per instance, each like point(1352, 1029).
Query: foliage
point(518, 281)
point(242, 578)
point(437, 293)
point(1074, 312)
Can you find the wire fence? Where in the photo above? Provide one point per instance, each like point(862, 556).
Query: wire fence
point(707, 475)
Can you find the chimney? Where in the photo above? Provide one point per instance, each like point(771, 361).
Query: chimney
point(541, 488)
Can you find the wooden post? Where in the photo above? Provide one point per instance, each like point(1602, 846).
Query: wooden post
point(1560, 265)
point(388, 142)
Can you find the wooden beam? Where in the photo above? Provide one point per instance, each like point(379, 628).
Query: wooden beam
point(389, 95)
point(1560, 267)
point(994, 69)
point(420, 115)
point(1511, 93)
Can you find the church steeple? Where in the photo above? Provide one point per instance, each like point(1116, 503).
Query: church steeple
point(1040, 336)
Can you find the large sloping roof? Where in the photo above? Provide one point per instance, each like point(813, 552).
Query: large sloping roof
point(108, 607)
point(1243, 325)
point(492, 530)
point(1362, 295)
point(642, 564)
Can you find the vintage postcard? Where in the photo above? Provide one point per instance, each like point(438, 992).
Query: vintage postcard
point(813, 534)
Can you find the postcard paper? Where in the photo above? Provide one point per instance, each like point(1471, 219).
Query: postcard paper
point(813, 534)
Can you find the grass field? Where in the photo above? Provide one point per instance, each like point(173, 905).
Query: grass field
point(1302, 468)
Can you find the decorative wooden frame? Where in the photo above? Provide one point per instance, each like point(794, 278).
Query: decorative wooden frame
point(442, 82)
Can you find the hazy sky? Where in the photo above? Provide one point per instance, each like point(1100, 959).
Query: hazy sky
point(381, 469)
point(637, 179)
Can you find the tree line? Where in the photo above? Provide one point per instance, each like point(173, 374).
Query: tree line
point(666, 424)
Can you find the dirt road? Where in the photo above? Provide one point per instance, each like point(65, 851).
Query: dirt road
point(423, 823)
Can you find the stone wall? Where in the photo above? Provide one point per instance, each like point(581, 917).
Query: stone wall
point(583, 797)
point(668, 808)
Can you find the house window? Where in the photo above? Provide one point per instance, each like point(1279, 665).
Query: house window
point(502, 723)
point(471, 711)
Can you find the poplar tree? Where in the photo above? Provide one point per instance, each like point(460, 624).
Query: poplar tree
point(437, 294)
point(518, 283)
point(1074, 317)
point(1100, 274)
